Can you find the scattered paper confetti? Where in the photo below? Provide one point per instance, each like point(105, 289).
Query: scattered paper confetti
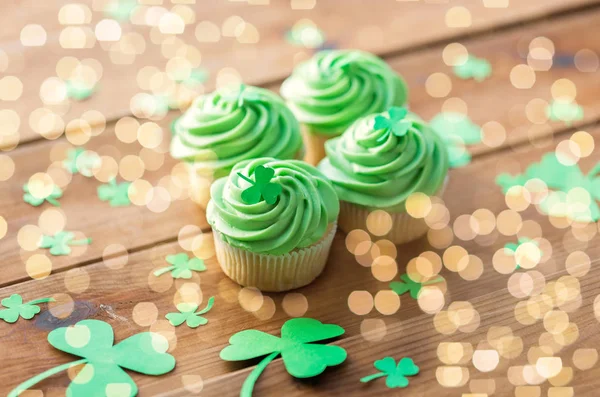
point(60, 243)
point(78, 91)
point(301, 358)
point(182, 266)
point(457, 130)
point(187, 313)
point(15, 308)
point(194, 77)
point(262, 188)
point(565, 111)
point(55, 194)
point(473, 68)
point(116, 194)
point(305, 33)
point(512, 247)
point(396, 375)
point(409, 285)
point(81, 161)
point(103, 373)
point(120, 9)
point(395, 124)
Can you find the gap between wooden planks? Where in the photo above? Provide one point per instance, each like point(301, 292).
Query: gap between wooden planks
point(135, 227)
point(390, 28)
point(106, 292)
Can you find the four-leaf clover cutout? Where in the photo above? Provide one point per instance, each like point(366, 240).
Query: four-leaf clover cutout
point(182, 266)
point(104, 362)
point(409, 285)
point(187, 313)
point(262, 188)
point(60, 243)
point(396, 374)
point(116, 194)
point(15, 308)
point(36, 201)
point(473, 68)
point(301, 358)
point(395, 124)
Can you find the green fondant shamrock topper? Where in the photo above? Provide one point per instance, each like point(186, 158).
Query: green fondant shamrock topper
point(302, 358)
point(103, 373)
point(396, 374)
point(187, 313)
point(262, 188)
point(396, 123)
point(15, 308)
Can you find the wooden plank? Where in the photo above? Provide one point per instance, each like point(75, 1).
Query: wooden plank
point(112, 293)
point(392, 26)
point(416, 68)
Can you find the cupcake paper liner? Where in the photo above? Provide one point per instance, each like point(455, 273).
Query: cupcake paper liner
point(274, 272)
point(315, 145)
point(405, 228)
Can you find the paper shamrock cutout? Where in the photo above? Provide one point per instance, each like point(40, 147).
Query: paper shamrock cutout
point(409, 285)
point(182, 266)
point(29, 198)
point(262, 188)
point(15, 307)
point(457, 131)
point(78, 91)
point(301, 358)
point(396, 374)
point(103, 373)
point(305, 34)
point(561, 179)
point(473, 68)
point(193, 78)
point(565, 111)
point(81, 161)
point(396, 124)
point(120, 9)
point(511, 248)
point(60, 243)
point(187, 313)
point(116, 194)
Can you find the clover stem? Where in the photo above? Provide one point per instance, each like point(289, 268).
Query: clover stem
point(164, 270)
point(253, 377)
point(371, 377)
point(436, 280)
point(53, 201)
point(38, 301)
point(38, 378)
point(85, 241)
point(246, 179)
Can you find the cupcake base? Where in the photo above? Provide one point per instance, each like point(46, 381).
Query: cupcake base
point(315, 145)
point(274, 272)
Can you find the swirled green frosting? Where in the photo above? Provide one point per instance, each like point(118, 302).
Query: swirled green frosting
point(377, 169)
point(231, 125)
point(334, 88)
point(299, 218)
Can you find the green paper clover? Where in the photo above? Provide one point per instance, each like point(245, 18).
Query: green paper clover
point(409, 285)
point(396, 375)
point(78, 91)
point(511, 248)
point(81, 161)
point(262, 188)
point(187, 313)
point(457, 131)
point(15, 307)
point(120, 9)
point(182, 266)
point(473, 68)
point(301, 358)
point(55, 194)
point(60, 243)
point(104, 362)
point(565, 111)
point(193, 78)
point(116, 194)
point(305, 35)
point(396, 124)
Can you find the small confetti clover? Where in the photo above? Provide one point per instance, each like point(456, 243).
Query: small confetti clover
point(511, 248)
point(103, 362)
point(78, 91)
point(60, 243)
point(55, 194)
point(409, 285)
point(396, 124)
point(116, 194)
point(565, 111)
point(194, 78)
point(81, 161)
point(262, 188)
point(302, 358)
point(181, 266)
point(15, 307)
point(473, 68)
point(396, 374)
point(456, 130)
point(187, 313)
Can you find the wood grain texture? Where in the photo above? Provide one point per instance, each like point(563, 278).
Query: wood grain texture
point(111, 294)
point(390, 27)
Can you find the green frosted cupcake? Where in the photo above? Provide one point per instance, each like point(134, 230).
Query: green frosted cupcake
point(273, 223)
point(229, 126)
point(378, 163)
point(331, 90)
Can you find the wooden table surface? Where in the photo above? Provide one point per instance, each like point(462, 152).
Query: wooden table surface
point(483, 336)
